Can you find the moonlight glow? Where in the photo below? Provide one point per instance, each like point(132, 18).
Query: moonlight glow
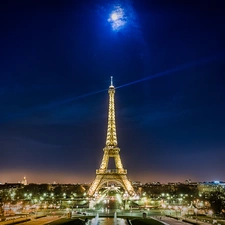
point(117, 18)
point(114, 16)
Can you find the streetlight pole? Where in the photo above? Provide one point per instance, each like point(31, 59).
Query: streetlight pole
point(169, 209)
point(184, 209)
point(196, 213)
point(176, 210)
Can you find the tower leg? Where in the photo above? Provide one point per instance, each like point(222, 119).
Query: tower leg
point(118, 162)
point(105, 161)
point(94, 185)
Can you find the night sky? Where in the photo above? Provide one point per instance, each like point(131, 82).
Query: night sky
point(168, 63)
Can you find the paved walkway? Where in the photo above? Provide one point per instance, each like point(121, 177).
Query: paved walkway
point(171, 221)
point(43, 220)
point(10, 220)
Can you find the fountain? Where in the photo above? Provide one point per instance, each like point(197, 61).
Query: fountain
point(94, 221)
point(107, 220)
point(115, 218)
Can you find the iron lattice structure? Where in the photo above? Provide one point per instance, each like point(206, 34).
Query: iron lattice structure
point(103, 174)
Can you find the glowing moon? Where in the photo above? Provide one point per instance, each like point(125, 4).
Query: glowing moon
point(114, 16)
point(117, 18)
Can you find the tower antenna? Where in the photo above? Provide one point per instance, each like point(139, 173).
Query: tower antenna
point(111, 81)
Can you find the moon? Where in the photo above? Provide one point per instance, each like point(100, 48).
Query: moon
point(114, 16)
point(117, 18)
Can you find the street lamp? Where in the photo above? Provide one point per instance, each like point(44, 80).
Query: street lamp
point(196, 212)
point(184, 210)
point(164, 206)
point(170, 208)
point(36, 214)
point(176, 210)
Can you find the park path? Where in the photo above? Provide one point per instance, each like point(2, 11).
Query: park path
point(171, 221)
point(44, 220)
point(33, 221)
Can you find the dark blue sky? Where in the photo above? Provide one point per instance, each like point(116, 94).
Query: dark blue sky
point(56, 59)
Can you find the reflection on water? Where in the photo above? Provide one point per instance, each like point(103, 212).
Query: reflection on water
point(108, 221)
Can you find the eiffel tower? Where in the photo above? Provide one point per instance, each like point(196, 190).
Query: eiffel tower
point(103, 174)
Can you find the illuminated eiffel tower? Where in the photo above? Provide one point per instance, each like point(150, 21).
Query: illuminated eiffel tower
point(103, 174)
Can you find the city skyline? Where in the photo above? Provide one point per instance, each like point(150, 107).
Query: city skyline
point(167, 60)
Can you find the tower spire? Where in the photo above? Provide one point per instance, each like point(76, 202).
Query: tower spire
point(111, 81)
point(111, 138)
